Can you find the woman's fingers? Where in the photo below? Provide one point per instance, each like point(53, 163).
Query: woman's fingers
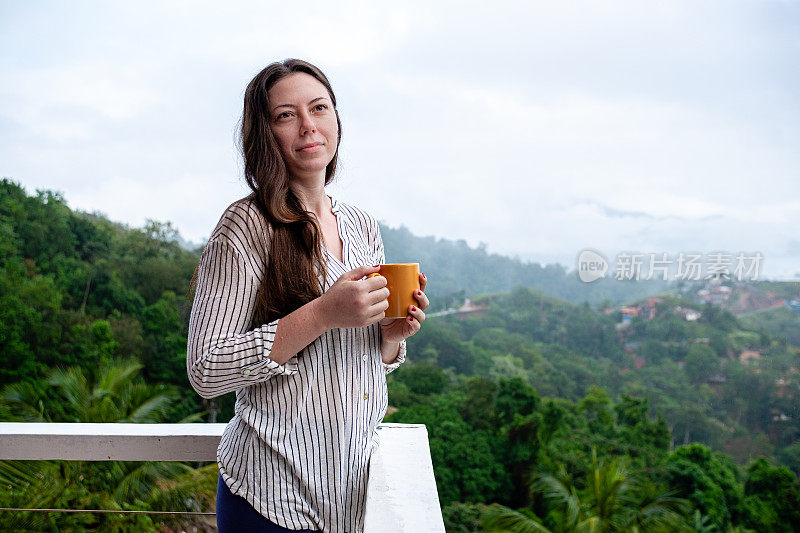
point(423, 281)
point(422, 299)
point(416, 313)
point(378, 316)
point(374, 283)
point(413, 324)
point(380, 306)
point(378, 296)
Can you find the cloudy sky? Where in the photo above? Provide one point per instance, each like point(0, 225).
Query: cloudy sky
point(538, 128)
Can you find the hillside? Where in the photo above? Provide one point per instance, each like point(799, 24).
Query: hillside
point(458, 271)
point(693, 410)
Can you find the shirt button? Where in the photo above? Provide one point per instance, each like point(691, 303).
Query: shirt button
point(366, 396)
point(246, 372)
point(364, 357)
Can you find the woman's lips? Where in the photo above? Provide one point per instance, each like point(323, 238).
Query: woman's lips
point(311, 149)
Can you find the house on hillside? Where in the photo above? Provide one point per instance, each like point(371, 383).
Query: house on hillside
point(690, 315)
point(716, 382)
point(717, 295)
point(629, 312)
point(749, 355)
point(704, 295)
point(647, 311)
point(472, 309)
point(720, 294)
point(630, 347)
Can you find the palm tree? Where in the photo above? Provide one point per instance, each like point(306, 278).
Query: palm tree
point(611, 501)
point(497, 518)
point(110, 393)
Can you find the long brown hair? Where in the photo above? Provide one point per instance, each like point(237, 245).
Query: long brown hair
point(295, 259)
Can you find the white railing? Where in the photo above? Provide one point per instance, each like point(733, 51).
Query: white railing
point(401, 491)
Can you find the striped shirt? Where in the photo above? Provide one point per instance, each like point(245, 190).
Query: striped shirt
point(298, 446)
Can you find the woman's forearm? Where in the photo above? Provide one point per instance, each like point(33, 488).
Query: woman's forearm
point(389, 351)
point(350, 302)
point(297, 330)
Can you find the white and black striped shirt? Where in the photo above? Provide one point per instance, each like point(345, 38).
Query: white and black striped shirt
point(299, 444)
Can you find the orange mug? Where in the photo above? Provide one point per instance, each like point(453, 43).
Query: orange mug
point(402, 279)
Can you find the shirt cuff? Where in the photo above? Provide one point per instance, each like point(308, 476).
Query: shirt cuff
point(265, 367)
point(401, 357)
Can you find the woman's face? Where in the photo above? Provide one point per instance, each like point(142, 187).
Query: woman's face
point(304, 123)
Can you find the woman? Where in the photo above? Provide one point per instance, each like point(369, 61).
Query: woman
point(284, 316)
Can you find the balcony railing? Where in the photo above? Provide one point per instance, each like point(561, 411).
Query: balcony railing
point(401, 491)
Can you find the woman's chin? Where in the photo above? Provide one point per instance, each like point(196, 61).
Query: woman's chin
point(309, 171)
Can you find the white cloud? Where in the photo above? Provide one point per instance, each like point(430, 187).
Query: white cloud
point(63, 103)
point(183, 200)
point(537, 127)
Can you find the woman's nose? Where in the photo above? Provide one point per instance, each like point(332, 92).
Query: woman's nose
point(307, 124)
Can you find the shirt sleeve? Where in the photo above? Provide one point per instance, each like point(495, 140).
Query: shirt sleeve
point(401, 357)
point(380, 256)
point(222, 355)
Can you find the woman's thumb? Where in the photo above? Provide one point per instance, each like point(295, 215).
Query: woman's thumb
point(358, 273)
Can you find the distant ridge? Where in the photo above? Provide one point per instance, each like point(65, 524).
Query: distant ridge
point(457, 271)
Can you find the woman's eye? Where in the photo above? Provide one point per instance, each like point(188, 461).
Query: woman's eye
point(321, 107)
point(283, 115)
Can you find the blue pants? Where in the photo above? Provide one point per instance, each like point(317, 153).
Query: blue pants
point(235, 514)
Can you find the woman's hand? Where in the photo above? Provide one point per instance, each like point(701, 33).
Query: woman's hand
point(353, 302)
point(396, 329)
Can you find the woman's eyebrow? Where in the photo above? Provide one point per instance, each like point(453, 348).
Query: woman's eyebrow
point(293, 106)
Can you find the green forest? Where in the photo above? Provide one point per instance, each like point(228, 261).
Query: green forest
point(546, 410)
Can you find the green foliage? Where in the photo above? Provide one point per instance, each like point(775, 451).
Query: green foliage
point(669, 328)
point(790, 457)
point(478, 409)
point(76, 289)
point(719, 318)
point(165, 355)
point(152, 262)
point(701, 363)
point(780, 323)
point(771, 497)
point(635, 427)
point(29, 309)
point(465, 464)
point(596, 406)
point(709, 479)
point(654, 352)
point(514, 398)
point(744, 340)
point(496, 518)
point(610, 499)
point(444, 348)
point(110, 392)
point(113, 392)
point(532, 388)
point(529, 338)
point(39, 224)
point(457, 270)
point(102, 485)
point(424, 378)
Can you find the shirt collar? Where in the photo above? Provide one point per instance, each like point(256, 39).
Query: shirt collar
point(334, 205)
